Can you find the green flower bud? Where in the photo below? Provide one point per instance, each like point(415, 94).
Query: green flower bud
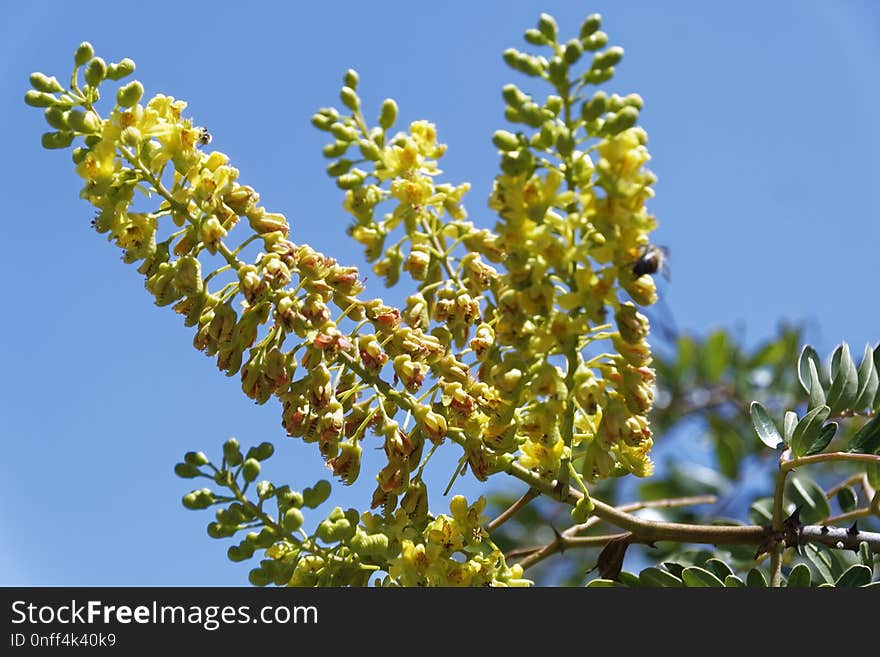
point(595, 41)
point(121, 69)
point(129, 94)
point(216, 530)
point(343, 132)
point(335, 149)
point(235, 553)
point(351, 78)
point(78, 155)
point(42, 82)
point(265, 489)
point(547, 26)
point(573, 51)
point(608, 58)
point(186, 470)
point(261, 452)
point(553, 105)
point(369, 149)
point(195, 458)
point(251, 469)
point(623, 120)
point(351, 180)
point(512, 95)
point(369, 545)
point(83, 53)
point(598, 76)
point(131, 137)
point(339, 167)
point(583, 509)
point(535, 37)
point(55, 117)
point(595, 107)
point(232, 452)
point(258, 577)
point(564, 142)
point(96, 71)
point(557, 71)
point(83, 122)
point(36, 98)
point(349, 98)
point(293, 519)
point(57, 139)
point(317, 495)
point(321, 121)
point(505, 141)
point(388, 113)
point(590, 25)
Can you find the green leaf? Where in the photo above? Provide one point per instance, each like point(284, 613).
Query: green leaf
point(687, 354)
point(659, 578)
point(821, 561)
point(872, 585)
point(788, 425)
point(846, 498)
point(866, 556)
point(604, 584)
point(867, 439)
point(808, 429)
point(715, 356)
point(628, 579)
point(767, 431)
point(825, 436)
point(856, 575)
point(868, 381)
point(719, 568)
point(808, 355)
point(695, 577)
point(817, 393)
point(873, 472)
point(799, 577)
point(732, 581)
point(674, 568)
point(761, 511)
point(844, 380)
point(810, 497)
point(756, 579)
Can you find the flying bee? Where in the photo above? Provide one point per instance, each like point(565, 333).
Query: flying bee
point(652, 259)
point(204, 136)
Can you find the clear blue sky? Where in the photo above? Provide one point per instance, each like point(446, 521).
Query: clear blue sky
point(763, 128)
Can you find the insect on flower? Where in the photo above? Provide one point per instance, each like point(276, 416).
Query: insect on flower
point(204, 136)
point(653, 259)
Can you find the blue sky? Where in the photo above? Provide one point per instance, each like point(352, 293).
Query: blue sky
point(764, 136)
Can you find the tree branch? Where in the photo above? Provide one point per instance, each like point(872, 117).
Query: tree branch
point(527, 497)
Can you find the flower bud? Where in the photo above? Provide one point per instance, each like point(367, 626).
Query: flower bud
point(120, 69)
point(42, 82)
point(607, 59)
point(595, 107)
point(573, 51)
point(315, 496)
point(595, 41)
point(129, 94)
point(83, 53)
point(351, 78)
point(388, 113)
point(57, 139)
point(56, 117)
point(83, 122)
point(347, 464)
point(547, 26)
point(349, 98)
point(505, 141)
point(96, 71)
point(36, 98)
point(293, 519)
point(251, 469)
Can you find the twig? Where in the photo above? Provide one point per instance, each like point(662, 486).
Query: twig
point(562, 543)
point(667, 503)
point(527, 497)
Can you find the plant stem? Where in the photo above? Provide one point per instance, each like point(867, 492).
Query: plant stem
point(527, 497)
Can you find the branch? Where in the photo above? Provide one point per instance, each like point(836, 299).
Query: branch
point(668, 503)
point(527, 497)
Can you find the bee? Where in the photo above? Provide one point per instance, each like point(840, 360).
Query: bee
point(652, 259)
point(204, 136)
